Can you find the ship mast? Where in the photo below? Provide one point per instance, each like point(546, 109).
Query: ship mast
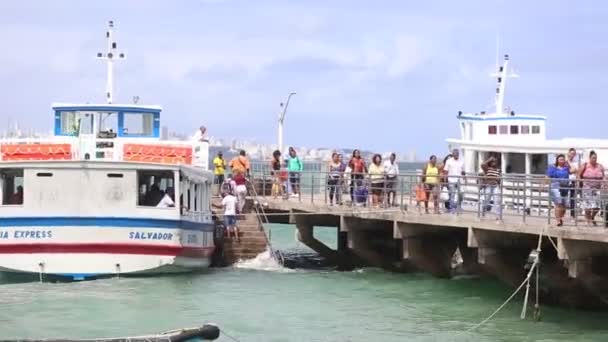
point(110, 56)
point(502, 76)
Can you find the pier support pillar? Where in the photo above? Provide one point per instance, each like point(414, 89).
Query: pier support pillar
point(578, 255)
point(306, 236)
point(426, 251)
point(358, 242)
point(503, 263)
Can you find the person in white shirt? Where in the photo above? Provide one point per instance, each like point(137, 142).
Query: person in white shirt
point(574, 163)
point(201, 134)
point(455, 170)
point(167, 200)
point(391, 171)
point(229, 204)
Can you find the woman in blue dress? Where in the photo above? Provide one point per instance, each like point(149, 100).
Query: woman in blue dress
point(559, 174)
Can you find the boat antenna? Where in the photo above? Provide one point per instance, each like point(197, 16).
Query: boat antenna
point(110, 56)
point(501, 78)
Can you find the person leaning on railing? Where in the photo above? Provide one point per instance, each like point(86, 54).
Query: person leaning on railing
point(591, 175)
point(558, 175)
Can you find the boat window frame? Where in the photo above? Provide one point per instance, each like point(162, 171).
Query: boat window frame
point(5, 198)
point(525, 129)
point(514, 129)
point(138, 185)
point(492, 130)
point(503, 129)
point(535, 129)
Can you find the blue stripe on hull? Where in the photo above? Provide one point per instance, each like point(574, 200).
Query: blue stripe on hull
point(107, 222)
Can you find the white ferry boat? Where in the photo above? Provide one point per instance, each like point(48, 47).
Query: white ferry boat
point(105, 195)
point(518, 141)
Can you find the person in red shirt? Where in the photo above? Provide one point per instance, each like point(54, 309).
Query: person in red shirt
point(358, 171)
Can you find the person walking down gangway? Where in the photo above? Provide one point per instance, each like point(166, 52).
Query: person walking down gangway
point(295, 168)
point(430, 181)
point(455, 172)
point(559, 186)
point(391, 171)
point(491, 188)
point(335, 170)
point(592, 176)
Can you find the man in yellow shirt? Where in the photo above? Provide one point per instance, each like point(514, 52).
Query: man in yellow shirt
point(220, 169)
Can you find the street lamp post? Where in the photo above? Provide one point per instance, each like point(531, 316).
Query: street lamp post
point(282, 120)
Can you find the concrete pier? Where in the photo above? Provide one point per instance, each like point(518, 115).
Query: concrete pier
point(573, 272)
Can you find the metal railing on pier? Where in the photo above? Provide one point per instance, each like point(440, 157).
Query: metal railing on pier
point(516, 198)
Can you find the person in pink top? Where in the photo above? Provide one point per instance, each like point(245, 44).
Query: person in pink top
point(591, 175)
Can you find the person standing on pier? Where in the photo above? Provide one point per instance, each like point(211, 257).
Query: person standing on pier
point(219, 164)
point(358, 171)
point(275, 172)
point(574, 164)
point(376, 177)
point(391, 170)
point(335, 170)
point(430, 181)
point(455, 171)
point(491, 182)
point(591, 175)
point(295, 168)
point(559, 178)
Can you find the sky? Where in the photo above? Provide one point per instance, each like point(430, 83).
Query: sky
point(377, 75)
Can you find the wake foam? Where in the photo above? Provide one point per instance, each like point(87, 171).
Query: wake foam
point(262, 262)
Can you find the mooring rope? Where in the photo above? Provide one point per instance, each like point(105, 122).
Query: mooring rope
point(223, 332)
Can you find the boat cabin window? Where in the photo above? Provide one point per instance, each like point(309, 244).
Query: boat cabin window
point(525, 129)
point(492, 129)
point(514, 129)
point(12, 186)
point(108, 125)
point(535, 129)
point(156, 188)
point(138, 124)
point(503, 129)
point(68, 123)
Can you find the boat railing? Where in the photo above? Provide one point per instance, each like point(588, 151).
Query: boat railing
point(516, 198)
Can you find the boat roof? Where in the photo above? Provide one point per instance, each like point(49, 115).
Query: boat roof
point(89, 164)
point(106, 107)
point(492, 116)
point(544, 146)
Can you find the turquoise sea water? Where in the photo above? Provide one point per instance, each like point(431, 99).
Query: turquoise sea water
point(258, 301)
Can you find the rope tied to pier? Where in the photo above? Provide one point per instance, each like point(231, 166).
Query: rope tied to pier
point(534, 269)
